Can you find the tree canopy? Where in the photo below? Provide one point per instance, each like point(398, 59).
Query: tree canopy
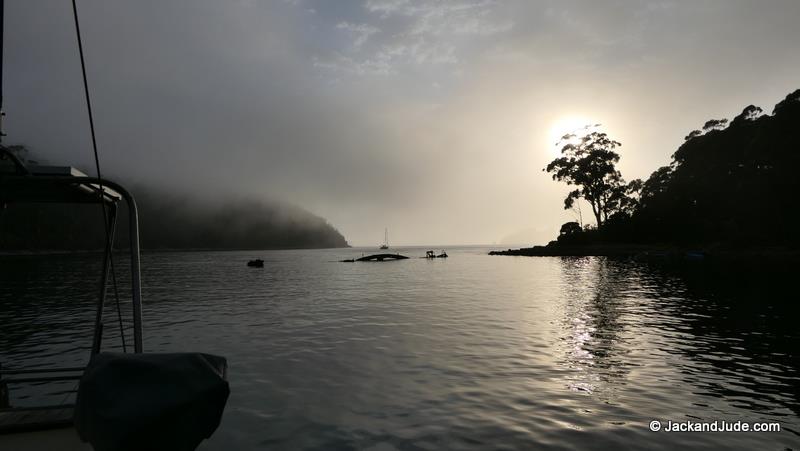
point(588, 162)
point(731, 183)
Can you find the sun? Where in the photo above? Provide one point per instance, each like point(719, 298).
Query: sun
point(565, 125)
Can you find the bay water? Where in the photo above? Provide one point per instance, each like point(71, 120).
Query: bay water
point(468, 352)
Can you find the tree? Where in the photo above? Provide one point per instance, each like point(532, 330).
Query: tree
point(657, 184)
point(786, 104)
point(693, 134)
point(570, 228)
point(588, 162)
point(714, 124)
point(625, 198)
point(729, 184)
point(749, 113)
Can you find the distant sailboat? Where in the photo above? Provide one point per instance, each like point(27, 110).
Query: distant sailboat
point(385, 244)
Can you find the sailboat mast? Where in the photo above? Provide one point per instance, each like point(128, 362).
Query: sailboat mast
point(386, 236)
point(2, 21)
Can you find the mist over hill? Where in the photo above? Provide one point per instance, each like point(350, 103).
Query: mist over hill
point(182, 223)
point(169, 221)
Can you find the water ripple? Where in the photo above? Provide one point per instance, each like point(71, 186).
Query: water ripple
point(473, 352)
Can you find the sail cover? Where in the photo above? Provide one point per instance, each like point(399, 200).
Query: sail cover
point(151, 401)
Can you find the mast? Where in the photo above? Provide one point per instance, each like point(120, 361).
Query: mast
point(2, 113)
point(385, 232)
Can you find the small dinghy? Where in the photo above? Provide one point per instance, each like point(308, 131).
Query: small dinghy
point(257, 263)
point(432, 254)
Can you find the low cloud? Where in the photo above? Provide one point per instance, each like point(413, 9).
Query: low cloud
point(430, 118)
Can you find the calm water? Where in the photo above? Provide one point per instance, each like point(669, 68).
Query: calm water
point(472, 352)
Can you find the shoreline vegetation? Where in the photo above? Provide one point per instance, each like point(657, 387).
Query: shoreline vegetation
point(655, 252)
point(729, 194)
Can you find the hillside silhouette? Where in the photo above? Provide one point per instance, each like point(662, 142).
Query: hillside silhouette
point(167, 221)
point(731, 184)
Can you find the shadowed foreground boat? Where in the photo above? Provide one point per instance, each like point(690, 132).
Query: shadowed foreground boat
point(125, 401)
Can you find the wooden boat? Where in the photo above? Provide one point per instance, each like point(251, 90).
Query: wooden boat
point(257, 263)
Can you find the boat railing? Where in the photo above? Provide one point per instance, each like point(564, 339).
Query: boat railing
point(19, 182)
point(30, 380)
point(34, 376)
point(38, 184)
point(27, 188)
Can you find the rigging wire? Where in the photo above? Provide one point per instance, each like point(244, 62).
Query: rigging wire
point(101, 193)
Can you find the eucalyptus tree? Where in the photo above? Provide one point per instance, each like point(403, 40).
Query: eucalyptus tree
point(588, 162)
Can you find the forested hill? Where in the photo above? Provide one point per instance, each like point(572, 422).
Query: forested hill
point(169, 222)
point(731, 183)
point(180, 223)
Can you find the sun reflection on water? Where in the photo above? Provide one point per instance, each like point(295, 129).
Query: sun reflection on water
point(593, 324)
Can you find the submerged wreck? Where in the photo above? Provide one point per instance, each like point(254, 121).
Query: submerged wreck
point(376, 258)
point(381, 258)
point(392, 257)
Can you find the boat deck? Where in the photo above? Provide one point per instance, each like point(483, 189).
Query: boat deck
point(61, 439)
point(23, 419)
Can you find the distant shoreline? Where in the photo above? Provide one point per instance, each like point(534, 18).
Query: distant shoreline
point(659, 252)
point(592, 250)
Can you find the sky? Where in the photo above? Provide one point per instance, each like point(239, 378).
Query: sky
point(432, 119)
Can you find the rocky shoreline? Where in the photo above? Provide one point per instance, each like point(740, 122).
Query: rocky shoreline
point(657, 252)
point(591, 250)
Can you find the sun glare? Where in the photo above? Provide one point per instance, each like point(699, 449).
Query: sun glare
point(563, 126)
